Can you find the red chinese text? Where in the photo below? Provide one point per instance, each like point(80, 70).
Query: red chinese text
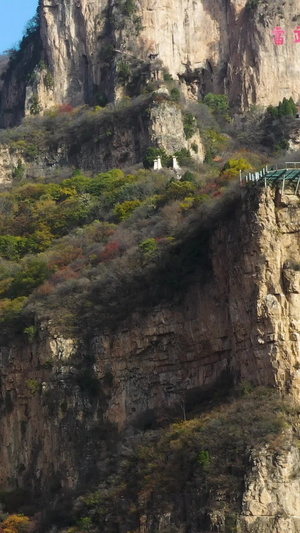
point(297, 35)
point(279, 35)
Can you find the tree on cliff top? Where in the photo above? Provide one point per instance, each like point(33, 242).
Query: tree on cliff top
point(284, 109)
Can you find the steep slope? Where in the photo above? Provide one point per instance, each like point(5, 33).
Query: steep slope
point(237, 319)
point(220, 46)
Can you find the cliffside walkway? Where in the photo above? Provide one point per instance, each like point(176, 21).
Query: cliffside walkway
point(280, 178)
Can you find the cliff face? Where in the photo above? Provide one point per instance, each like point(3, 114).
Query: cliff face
point(270, 502)
point(217, 46)
point(239, 322)
point(13, 91)
point(255, 337)
point(70, 34)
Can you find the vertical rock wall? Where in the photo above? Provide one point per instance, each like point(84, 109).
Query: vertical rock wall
point(242, 322)
point(218, 46)
point(71, 32)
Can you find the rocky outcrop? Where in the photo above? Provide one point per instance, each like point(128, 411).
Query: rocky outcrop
point(167, 131)
point(216, 46)
point(219, 46)
point(227, 47)
point(16, 80)
point(270, 500)
point(71, 35)
point(239, 320)
point(9, 160)
point(214, 330)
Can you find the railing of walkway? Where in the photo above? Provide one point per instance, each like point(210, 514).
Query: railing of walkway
point(288, 177)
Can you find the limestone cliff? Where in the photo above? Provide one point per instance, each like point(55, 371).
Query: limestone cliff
point(219, 46)
point(216, 46)
point(239, 319)
point(214, 329)
point(270, 501)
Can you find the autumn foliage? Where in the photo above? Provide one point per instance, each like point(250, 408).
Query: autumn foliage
point(15, 524)
point(59, 240)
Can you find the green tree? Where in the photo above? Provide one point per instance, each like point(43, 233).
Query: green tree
point(218, 104)
point(79, 182)
point(232, 168)
point(153, 153)
point(19, 171)
point(189, 125)
point(11, 311)
point(123, 72)
point(178, 190)
point(175, 94)
point(107, 181)
point(188, 176)
point(34, 105)
point(149, 249)
point(35, 272)
point(285, 108)
point(204, 460)
point(183, 157)
point(12, 248)
point(237, 165)
point(40, 240)
point(124, 210)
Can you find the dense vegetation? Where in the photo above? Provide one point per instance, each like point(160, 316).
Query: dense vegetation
point(183, 467)
point(85, 239)
point(65, 125)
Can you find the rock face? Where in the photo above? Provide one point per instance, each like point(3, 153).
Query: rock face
point(217, 46)
point(167, 131)
point(220, 46)
point(70, 33)
point(223, 46)
point(255, 337)
point(240, 321)
point(9, 160)
point(16, 80)
point(120, 137)
point(270, 501)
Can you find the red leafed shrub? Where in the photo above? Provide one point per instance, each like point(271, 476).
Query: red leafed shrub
point(210, 188)
point(64, 274)
point(45, 289)
point(66, 257)
point(110, 251)
point(66, 108)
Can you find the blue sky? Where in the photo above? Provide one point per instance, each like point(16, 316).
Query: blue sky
point(14, 15)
